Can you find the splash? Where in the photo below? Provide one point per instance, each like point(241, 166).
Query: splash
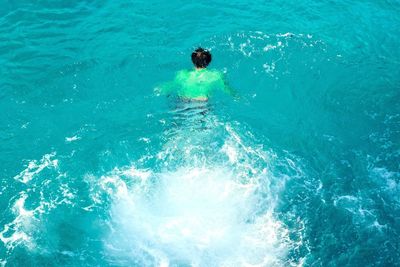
point(195, 216)
point(202, 213)
point(39, 196)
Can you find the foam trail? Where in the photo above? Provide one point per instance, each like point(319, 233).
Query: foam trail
point(45, 189)
point(206, 198)
point(195, 216)
point(34, 167)
point(14, 233)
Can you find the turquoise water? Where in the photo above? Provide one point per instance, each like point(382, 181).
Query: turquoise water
point(301, 170)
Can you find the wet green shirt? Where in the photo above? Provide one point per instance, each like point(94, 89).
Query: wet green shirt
point(195, 84)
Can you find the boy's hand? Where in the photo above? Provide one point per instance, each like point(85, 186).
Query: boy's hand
point(157, 91)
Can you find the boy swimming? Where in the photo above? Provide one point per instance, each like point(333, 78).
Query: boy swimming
point(198, 84)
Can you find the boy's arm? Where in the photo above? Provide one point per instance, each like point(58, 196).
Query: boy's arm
point(167, 88)
point(228, 89)
point(164, 88)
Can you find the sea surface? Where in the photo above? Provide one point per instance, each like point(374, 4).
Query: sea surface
point(302, 169)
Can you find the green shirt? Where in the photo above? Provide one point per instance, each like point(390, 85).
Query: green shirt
point(195, 84)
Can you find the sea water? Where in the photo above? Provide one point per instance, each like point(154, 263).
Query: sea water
point(302, 169)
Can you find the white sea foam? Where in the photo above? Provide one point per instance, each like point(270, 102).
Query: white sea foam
point(14, 233)
point(269, 47)
point(25, 218)
point(195, 216)
point(72, 138)
point(21, 229)
point(35, 167)
point(194, 211)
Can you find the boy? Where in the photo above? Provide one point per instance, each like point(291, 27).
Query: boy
point(197, 84)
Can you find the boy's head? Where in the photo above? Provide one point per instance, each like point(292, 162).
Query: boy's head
point(201, 58)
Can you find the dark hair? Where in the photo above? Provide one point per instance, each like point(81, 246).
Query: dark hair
point(201, 58)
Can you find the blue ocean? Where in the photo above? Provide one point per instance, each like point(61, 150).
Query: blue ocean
point(301, 169)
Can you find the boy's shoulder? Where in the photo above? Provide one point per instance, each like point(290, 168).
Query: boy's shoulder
point(211, 73)
point(216, 74)
point(182, 74)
